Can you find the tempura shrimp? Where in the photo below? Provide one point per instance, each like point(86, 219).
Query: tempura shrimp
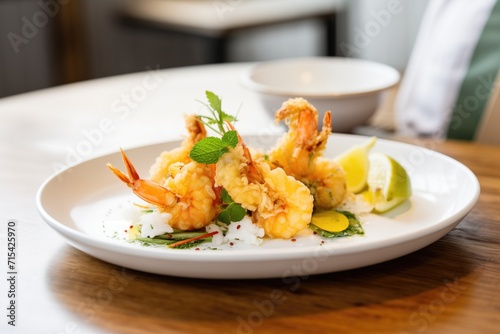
point(281, 205)
point(299, 152)
point(286, 206)
point(326, 181)
point(187, 194)
point(233, 174)
point(196, 132)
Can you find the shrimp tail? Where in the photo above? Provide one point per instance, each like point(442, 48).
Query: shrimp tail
point(149, 191)
point(320, 141)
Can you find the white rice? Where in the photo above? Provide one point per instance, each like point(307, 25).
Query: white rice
point(242, 232)
point(153, 223)
point(217, 239)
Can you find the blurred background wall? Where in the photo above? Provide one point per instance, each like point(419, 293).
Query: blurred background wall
point(50, 42)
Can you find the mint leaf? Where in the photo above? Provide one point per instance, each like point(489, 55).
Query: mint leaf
point(212, 122)
point(225, 197)
point(230, 138)
point(214, 101)
point(219, 117)
point(216, 109)
point(208, 150)
point(233, 212)
point(236, 212)
point(227, 117)
point(224, 217)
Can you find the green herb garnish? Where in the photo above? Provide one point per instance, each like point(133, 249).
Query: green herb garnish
point(180, 235)
point(204, 237)
point(155, 240)
point(219, 117)
point(210, 149)
point(178, 239)
point(191, 244)
point(231, 211)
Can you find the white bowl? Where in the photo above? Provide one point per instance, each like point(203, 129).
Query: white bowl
point(350, 88)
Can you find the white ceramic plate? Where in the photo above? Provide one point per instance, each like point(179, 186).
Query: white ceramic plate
point(79, 201)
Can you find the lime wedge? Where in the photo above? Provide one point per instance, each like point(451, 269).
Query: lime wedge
point(388, 183)
point(355, 164)
point(330, 221)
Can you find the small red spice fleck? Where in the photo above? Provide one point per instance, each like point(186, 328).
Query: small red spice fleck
point(315, 232)
point(196, 248)
point(131, 226)
point(238, 227)
point(231, 244)
point(293, 240)
point(322, 241)
point(126, 231)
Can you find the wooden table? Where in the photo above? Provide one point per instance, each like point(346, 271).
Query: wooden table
point(450, 286)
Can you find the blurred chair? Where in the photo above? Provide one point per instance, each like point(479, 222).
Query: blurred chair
point(451, 86)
